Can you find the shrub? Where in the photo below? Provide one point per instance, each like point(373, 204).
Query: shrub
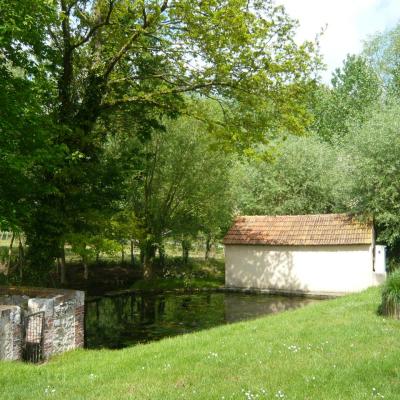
point(391, 295)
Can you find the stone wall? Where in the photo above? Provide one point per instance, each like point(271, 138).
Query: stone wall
point(63, 319)
point(10, 332)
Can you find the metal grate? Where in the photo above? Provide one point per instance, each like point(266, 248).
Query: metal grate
point(33, 337)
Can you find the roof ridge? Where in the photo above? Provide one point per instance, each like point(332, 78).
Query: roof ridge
point(296, 215)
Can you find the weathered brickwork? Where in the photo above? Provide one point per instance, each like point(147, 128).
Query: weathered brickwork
point(63, 328)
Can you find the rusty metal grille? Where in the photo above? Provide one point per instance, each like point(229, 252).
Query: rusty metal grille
point(33, 337)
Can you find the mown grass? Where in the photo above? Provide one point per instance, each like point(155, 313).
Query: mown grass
point(336, 349)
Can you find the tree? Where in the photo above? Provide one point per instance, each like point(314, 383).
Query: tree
point(25, 133)
point(96, 58)
point(382, 50)
point(301, 179)
point(356, 89)
point(372, 172)
point(183, 189)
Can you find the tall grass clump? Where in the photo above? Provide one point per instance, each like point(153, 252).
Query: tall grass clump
point(391, 295)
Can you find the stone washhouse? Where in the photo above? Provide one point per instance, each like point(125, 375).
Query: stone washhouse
point(321, 254)
point(37, 323)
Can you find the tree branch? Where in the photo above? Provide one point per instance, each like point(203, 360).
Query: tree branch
point(149, 97)
point(96, 27)
point(71, 6)
point(164, 6)
point(64, 84)
point(54, 38)
point(124, 49)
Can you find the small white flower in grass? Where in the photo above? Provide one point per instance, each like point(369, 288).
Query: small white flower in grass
point(293, 348)
point(49, 390)
point(279, 394)
point(92, 376)
point(249, 395)
point(375, 393)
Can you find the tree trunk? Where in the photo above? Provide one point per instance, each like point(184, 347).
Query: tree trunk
point(141, 256)
point(85, 269)
point(132, 254)
point(8, 263)
point(44, 236)
point(63, 271)
point(122, 254)
point(58, 266)
point(185, 250)
point(149, 253)
point(161, 254)
point(21, 256)
point(208, 248)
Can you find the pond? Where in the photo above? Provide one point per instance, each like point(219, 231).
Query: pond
point(120, 321)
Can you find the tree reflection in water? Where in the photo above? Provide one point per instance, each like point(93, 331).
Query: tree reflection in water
point(120, 321)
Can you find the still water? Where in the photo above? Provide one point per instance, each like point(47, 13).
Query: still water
point(116, 322)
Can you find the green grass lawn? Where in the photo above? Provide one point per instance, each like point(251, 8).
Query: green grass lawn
point(336, 349)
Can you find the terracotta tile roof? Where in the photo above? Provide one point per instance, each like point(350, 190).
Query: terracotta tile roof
point(299, 230)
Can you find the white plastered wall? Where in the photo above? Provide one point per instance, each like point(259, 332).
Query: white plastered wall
point(310, 269)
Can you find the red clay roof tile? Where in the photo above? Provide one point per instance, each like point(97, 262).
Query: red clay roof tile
point(297, 230)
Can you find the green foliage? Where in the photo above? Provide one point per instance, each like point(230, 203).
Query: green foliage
point(383, 52)
point(355, 90)
point(70, 70)
point(27, 148)
point(371, 171)
point(182, 184)
point(195, 274)
point(356, 167)
point(391, 295)
point(358, 174)
point(25, 131)
point(300, 179)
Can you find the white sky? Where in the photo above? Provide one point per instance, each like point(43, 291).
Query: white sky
point(348, 22)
